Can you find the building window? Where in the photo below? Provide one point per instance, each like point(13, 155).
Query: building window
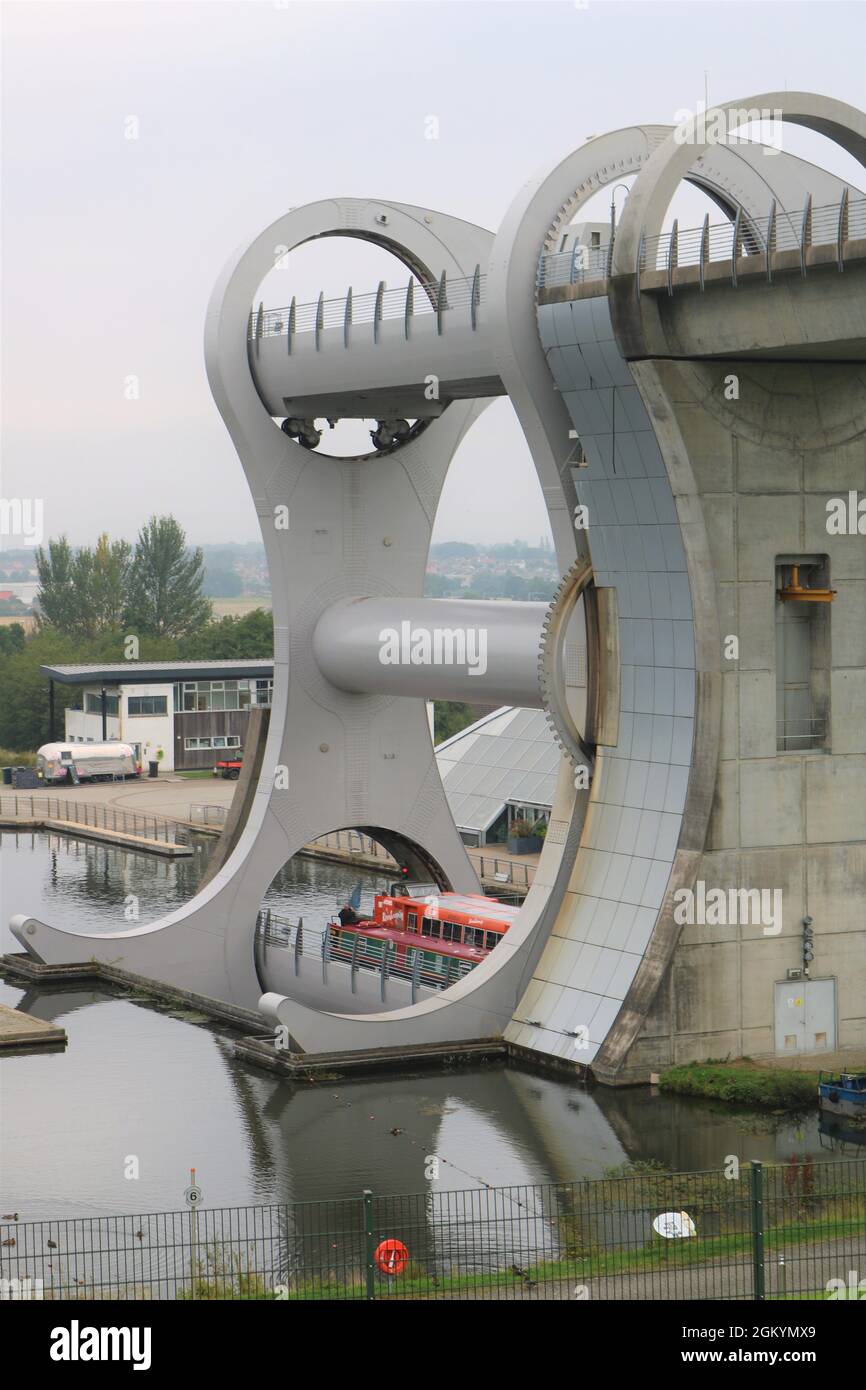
point(199, 745)
point(140, 705)
point(203, 696)
point(93, 704)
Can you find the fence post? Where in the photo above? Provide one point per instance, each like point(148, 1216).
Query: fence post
point(369, 1275)
point(756, 1197)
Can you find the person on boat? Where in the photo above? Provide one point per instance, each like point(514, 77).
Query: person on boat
point(348, 916)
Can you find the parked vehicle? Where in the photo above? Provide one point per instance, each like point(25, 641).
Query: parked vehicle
point(230, 768)
point(85, 762)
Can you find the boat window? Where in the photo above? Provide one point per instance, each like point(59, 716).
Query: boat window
point(426, 927)
point(473, 936)
point(492, 938)
point(412, 921)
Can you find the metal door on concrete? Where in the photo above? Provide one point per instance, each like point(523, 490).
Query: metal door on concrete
point(805, 1016)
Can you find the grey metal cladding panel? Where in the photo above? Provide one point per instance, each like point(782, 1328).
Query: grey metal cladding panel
point(651, 454)
point(663, 500)
point(601, 320)
point(575, 373)
point(617, 369)
point(629, 463)
point(624, 502)
point(635, 820)
point(644, 501)
point(640, 597)
point(546, 327)
point(631, 409)
point(653, 549)
point(628, 686)
point(673, 547)
point(597, 366)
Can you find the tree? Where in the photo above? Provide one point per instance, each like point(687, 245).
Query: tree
point(84, 592)
point(165, 586)
point(232, 639)
point(24, 690)
point(56, 596)
point(110, 569)
point(449, 717)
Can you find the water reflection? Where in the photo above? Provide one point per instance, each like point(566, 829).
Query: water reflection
point(145, 1080)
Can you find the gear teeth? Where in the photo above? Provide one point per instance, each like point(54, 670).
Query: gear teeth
point(561, 733)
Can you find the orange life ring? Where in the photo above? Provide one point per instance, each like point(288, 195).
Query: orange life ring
point(391, 1256)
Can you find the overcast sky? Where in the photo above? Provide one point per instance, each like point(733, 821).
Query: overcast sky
point(111, 245)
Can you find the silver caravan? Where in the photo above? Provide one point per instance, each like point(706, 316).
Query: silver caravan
point(85, 762)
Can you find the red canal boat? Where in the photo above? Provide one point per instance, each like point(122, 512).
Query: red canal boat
point(451, 933)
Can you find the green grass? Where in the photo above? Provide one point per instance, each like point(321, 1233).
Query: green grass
point(658, 1257)
point(195, 772)
point(742, 1085)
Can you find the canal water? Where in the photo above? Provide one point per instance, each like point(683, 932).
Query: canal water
point(147, 1082)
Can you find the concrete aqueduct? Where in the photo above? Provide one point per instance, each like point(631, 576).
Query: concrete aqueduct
point(702, 395)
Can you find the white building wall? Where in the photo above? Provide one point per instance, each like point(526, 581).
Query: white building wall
point(151, 732)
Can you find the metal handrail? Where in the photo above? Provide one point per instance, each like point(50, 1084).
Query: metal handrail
point(349, 310)
point(95, 817)
point(779, 231)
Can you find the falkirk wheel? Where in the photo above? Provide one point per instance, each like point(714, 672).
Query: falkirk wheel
point(348, 744)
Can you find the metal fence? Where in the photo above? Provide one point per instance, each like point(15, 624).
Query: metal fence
point(418, 297)
point(95, 816)
point(208, 815)
point(787, 1231)
point(831, 224)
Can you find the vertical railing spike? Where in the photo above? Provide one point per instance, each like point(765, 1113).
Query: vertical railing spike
point(805, 234)
point(673, 255)
point(737, 245)
point(320, 317)
point(842, 229)
point(409, 309)
point(291, 331)
point(771, 240)
point(476, 297)
point(347, 317)
point(441, 302)
point(705, 252)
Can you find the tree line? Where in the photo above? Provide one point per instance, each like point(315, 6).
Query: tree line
point(153, 589)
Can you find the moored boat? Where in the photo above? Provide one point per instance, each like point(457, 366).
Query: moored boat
point(843, 1094)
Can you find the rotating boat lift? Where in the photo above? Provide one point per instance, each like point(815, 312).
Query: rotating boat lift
point(347, 539)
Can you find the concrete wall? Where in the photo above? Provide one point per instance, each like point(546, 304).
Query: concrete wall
point(765, 466)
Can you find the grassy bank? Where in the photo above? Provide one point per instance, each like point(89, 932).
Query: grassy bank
point(741, 1085)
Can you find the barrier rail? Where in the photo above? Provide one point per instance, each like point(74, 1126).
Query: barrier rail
point(96, 817)
point(785, 1231)
point(418, 298)
point(834, 224)
point(208, 815)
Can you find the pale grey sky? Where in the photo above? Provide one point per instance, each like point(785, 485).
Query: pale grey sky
point(111, 246)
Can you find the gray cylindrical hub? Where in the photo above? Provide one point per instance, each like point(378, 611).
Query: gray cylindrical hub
point(435, 649)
